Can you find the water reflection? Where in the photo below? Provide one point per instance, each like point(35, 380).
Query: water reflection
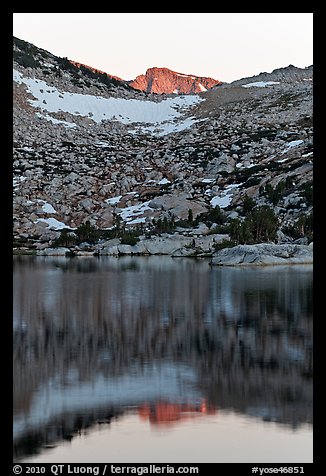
point(169, 337)
point(168, 414)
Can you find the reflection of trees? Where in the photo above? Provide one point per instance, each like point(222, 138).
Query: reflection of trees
point(246, 332)
point(63, 428)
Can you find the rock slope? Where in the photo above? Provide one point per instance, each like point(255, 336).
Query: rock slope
point(88, 148)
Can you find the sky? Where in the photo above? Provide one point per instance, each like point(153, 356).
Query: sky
point(223, 46)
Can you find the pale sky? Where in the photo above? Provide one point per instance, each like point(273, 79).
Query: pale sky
point(223, 46)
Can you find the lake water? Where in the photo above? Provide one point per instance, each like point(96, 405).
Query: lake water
point(156, 359)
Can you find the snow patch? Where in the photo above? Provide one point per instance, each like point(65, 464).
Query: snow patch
point(293, 143)
point(56, 121)
point(260, 84)
point(136, 221)
point(128, 214)
point(246, 165)
point(225, 198)
point(48, 208)
point(185, 76)
point(16, 181)
point(308, 154)
point(26, 149)
point(101, 143)
point(208, 180)
point(169, 127)
point(113, 200)
point(53, 223)
point(164, 181)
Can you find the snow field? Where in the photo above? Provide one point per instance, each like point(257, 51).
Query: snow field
point(128, 111)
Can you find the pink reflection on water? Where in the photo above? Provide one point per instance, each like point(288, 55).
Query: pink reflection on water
point(169, 414)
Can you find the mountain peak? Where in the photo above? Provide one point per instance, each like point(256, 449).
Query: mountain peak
point(163, 80)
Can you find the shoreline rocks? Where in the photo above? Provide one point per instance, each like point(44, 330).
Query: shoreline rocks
point(170, 245)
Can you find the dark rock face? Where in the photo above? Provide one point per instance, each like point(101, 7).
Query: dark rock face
point(163, 80)
point(95, 70)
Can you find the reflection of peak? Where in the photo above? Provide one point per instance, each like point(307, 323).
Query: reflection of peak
point(164, 413)
point(160, 380)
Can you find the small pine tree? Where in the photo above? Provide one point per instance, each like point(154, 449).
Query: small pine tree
point(86, 232)
point(118, 224)
point(263, 223)
point(248, 204)
point(66, 239)
point(240, 232)
point(190, 217)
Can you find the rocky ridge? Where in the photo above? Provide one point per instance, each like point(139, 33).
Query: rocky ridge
point(289, 74)
point(85, 67)
point(164, 80)
point(218, 149)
